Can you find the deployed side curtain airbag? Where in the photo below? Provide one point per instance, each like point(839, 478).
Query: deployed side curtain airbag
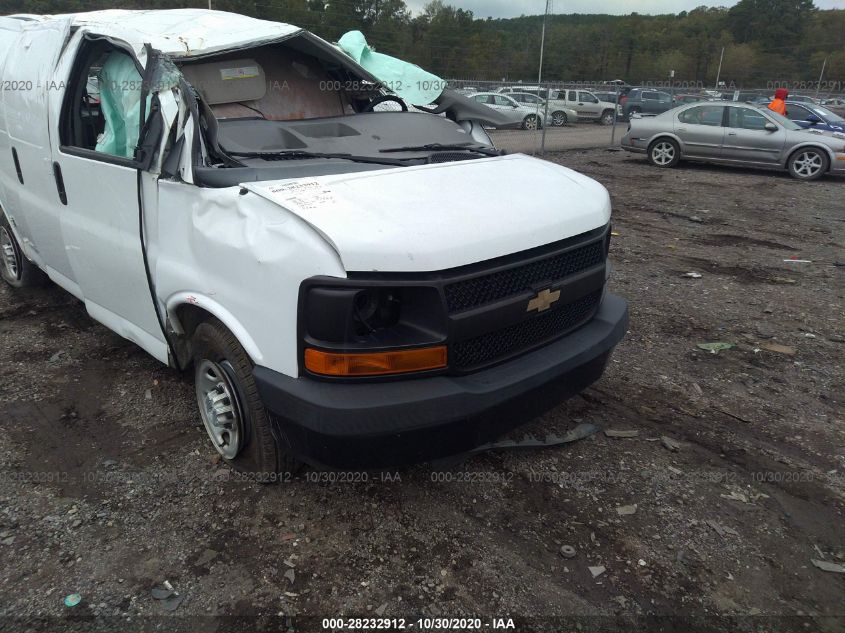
point(120, 101)
point(415, 85)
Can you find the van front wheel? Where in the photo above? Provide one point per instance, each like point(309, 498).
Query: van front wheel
point(234, 417)
point(15, 269)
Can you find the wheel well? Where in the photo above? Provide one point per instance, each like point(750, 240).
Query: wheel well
point(664, 138)
point(821, 149)
point(188, 319)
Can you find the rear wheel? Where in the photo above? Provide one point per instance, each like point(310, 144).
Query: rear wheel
point(607, 117)
point(530, 122)
point(15, 269)
point(559, 118)
point(808, 164)
point(664, 152)
point(234, 417)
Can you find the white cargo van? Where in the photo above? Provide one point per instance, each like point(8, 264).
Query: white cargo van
point(352, 288)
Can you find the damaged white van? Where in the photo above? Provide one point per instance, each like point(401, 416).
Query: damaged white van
point(353, 288)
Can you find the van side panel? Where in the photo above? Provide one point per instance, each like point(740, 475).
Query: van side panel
point(28, 75)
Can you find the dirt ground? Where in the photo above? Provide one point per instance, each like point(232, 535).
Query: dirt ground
point(108, 485)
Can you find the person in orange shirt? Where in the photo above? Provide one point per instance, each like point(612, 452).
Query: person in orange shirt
point(778, 104)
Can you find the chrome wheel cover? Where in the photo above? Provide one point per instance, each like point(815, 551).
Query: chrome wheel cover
point(219, 408)
point(807, 164)
point(663, 153)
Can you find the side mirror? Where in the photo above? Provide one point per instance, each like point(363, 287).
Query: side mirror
point(812, 118)
point(770, 127)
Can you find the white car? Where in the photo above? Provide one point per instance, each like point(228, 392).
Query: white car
point(519, 114)
point(557, 112)
point(350, 288)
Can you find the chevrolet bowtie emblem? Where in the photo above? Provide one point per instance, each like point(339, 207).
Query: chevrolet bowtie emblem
point(543, 300)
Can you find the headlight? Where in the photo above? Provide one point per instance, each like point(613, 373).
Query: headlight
point(364, 326)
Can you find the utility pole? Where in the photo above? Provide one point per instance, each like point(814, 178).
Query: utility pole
point(540, 82)
point(209, 5)
point(718, 72)
point(819, 86)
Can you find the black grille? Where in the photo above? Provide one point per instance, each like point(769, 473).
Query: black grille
point(480, 290)
point(525, 335)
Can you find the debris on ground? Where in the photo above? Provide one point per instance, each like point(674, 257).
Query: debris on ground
point(72, 599)
point(720, 529)
point(567, 551)
point(626, 510)
point(778, 349)
point(715, 347)
point(621, 433)
point(836, 568)
point(290, 574)
point(668, 442)
point(597, 570)
point(169, 598)
point(693, 275)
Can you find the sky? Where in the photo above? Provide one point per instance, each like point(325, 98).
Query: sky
point(515, 8)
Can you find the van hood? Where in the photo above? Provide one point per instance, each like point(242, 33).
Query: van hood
point(439, 216)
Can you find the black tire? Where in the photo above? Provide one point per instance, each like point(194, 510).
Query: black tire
point(664, 153)
point(559, 118)
point(808, 163)
point(258, 452)
point(530, 122)
point(607, 117)
point(15, 269)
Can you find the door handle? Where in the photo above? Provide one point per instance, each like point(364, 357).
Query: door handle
point(681, 129)
point(60, 183)
point(17, 164)
point(731, 133)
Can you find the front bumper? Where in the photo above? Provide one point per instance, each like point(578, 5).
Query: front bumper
point(379, 425)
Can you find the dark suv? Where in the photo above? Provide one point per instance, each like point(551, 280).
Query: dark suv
point(646, 101)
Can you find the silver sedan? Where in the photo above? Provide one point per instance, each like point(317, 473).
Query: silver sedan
point(735, 134)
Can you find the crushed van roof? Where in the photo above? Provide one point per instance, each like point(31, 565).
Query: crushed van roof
point(178, 32)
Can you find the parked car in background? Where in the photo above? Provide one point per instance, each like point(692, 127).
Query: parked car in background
point(688, 98)
point(612, 97)
point(522, 115)
point(558, 113)
point(643, 101)
point(588, 106)
point(835, 105)
point(814, 117)
point(736, 134)
point(803, 99)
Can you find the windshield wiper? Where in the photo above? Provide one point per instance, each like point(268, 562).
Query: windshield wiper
point(299, 155)
point(440, 147)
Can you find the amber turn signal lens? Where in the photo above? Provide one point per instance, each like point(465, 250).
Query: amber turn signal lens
point(375, 363)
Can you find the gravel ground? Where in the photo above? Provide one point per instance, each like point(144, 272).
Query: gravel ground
point(712, 512)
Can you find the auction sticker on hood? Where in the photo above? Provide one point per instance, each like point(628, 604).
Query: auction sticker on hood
point(304, 195)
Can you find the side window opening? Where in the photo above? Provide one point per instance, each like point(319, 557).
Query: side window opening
point(746, 119)
point(102, 109)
